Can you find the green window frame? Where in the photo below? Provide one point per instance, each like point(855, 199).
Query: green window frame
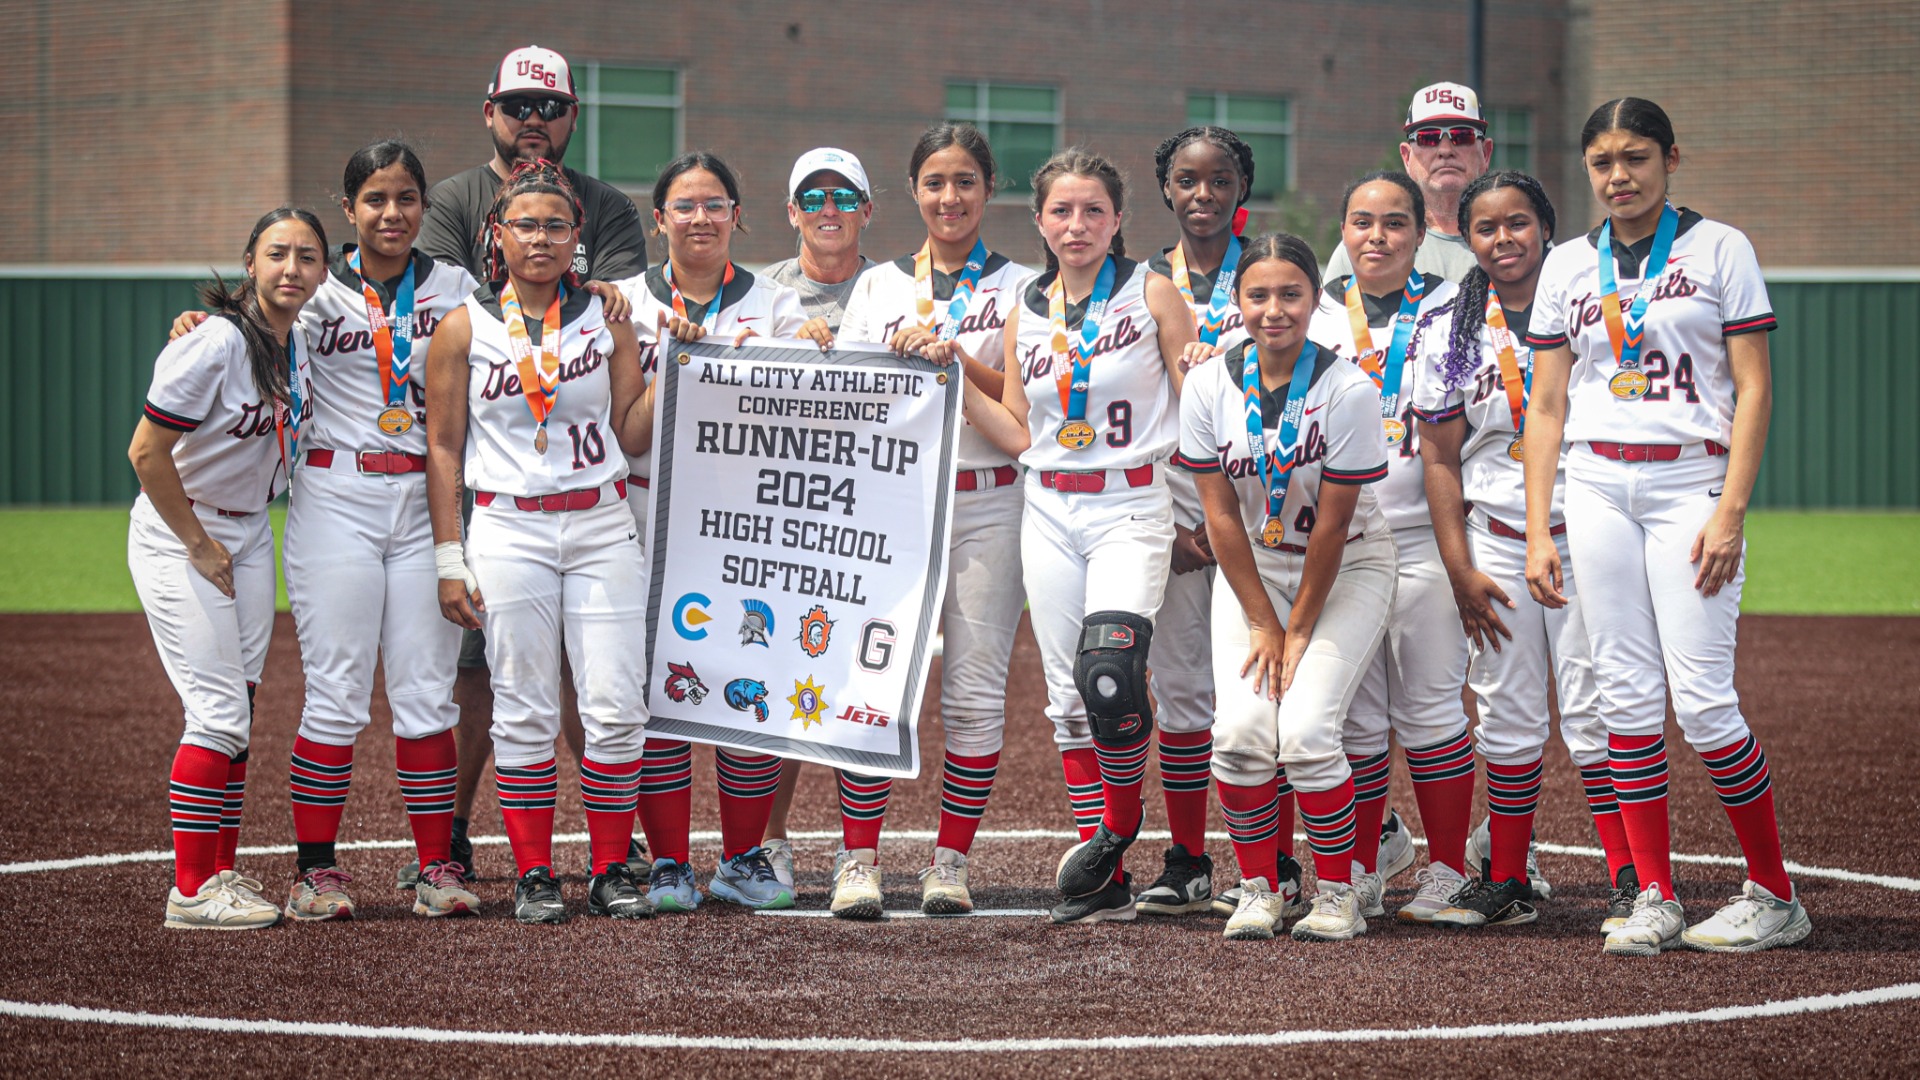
point(1023, 124)
point(1265, 124)
point(631, 122)
point(1512, 133)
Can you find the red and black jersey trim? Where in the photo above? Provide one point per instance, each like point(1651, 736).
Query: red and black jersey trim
point(1452, 412)
point(1196, 465)
point(1758, 324)
point(1331, 475)
point(1535, 341)
point(170, 421)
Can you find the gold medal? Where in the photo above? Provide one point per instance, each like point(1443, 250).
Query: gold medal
point(396, 421)
point(1629, 385)
point(540, 440)
point(1272, 533)
point(1517, 449)
point(1396, 432)
point(1075, 435)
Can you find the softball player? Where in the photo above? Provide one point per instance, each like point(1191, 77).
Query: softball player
point(1101, 341)
point(950, 301)
point(551, 552)
point(1651, 361)
point(1471, 408)
point(214, 445)
point(1284, 439)
point(1378, 316)
point(697, 290)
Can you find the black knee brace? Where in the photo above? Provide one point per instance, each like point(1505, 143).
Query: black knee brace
point(1111, 674)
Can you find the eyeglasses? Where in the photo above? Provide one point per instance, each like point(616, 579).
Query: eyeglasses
point(1430, 137)
point(519, 108)
point(527, 230)
point(684, 210)
point(814, 200)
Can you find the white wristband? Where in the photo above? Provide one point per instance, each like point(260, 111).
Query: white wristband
point(450, 563)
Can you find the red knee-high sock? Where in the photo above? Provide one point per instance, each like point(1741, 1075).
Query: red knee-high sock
point(1513, 794)
point(234, 801)
point(747, 784)
point(863, 808)
point(1084, 794)
point(1333, 830)
point(966, 783)
point(1253, 814)
point(666, 798)
point(608, 794)
point(196, 788)
point(1186, 765)
point(526, 807)
point(1122, 770)
point(1370, 773)
point(1598, 782)
point(1443, 786)
point(1639, 767)
point(317, 781)
point(428, 770)
point(1741, 779)
point(1283, 820)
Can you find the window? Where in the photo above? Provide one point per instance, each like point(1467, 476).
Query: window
point(1022, 123)
point(1512, 133)
point(1264, 124)
point(629, 123)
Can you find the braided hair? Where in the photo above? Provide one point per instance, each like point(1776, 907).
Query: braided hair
point(1226, 140)
point(266, 353)
point(539, 177)
point(1470, 304)
point(1079, 161)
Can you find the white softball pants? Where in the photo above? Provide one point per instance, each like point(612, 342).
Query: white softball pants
point(1183, 634)
point(981, 614)
point(1413, 685)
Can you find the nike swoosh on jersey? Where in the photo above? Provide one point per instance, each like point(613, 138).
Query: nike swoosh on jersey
point(593, 331)
point(1315, 409)
point(424, 299)
point(748, 318)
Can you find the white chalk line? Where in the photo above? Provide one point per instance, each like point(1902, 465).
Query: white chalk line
point(1586, 1026)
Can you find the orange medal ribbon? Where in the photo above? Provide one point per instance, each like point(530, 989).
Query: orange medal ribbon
point(541, 385)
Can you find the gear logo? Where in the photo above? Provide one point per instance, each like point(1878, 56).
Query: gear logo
point(756, 623)
point(748, 694)
point(815, 630)
point(683, 683)
point(809, 701)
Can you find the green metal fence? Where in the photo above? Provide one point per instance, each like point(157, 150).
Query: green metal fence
point(1846, 363)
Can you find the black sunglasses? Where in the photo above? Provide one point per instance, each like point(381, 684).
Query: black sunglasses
point(519, 108)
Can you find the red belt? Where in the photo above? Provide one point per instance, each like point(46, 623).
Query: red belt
point(1614, 451)
point(1501, 528)
point(1300, 549)
point(1092, 483)
point(583, 499)
point(374, 461)
point(970, 479)
point(640, 482)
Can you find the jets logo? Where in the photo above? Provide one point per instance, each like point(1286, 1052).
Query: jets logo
point(815, 630)
point(809, 701)
point(683, 683)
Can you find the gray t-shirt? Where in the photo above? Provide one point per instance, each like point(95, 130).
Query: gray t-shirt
point(819, 299)
point(1443, 256)
point(612, 246)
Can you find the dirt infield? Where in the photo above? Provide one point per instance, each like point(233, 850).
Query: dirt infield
point(90, 724)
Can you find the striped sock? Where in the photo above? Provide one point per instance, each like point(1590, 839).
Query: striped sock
point(1639, 767)
point(863, 808)
point(1513, 794)
point(1084, 795)
point(428, 770)
point(966, 783)
point(1443, 786)
point(1370, 774)
point(1186, 768)
point(1283, 823)
point(234, 801)
point(1597, 780)
point(1740, 778)
point(747, 784)
point(196, 786)
point(526, 807)
point(608, 794)
point(1332, 831)
point(1122, 770)
point(666, 798)
point(1253, 815)
point(318, 779)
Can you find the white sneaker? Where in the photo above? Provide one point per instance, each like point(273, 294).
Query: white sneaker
point(1260, 913)
point(1396, 847)
point(217, 906)
point(1371, 890)
point(1480, 853)
point(943, 885)
point(856, 884)
point(1438, 885)
point(1754, 920)
point(1335, 915)
point(779, 851)
point(1653, 928)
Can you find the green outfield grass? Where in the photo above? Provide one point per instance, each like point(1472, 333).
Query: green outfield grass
point(1799, 563)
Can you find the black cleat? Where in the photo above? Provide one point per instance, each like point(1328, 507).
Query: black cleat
point(1484, 903)
point(1184, 887)
point(1114, 903)
point(462, 853)
point(536, 897)
point(1088, 866)
point(1626, 886)
point(613, 893)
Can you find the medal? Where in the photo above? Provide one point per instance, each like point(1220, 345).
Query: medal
point(712, 316)
point(1073, 360)
point(1386, 369)
point(1396, 431)
point(963, 286)
point(1075, 435)
point(392, 345)
point(1272, 532)
point(1518, 383)
point(1211, 320)
point(396, 421)
point(540, 439)
point(1627, 330)
point(539, 379)
point(1628, 385)
point(1276, 465)
point(1517, 449)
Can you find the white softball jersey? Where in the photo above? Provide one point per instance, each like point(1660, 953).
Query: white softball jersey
point(582, 451)
point(345, 387)
point(883, 303)
point(1200, 284)
point(1403, 494)
point(1130, 399)
point(228, 455)
point(1339, 442)
point(1710, 290)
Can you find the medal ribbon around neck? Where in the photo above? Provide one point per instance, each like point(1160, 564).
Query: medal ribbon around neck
point(1276, 466)
point(712, 317)
point(1386, 377)
point(392, 338)
point(286, 421)
point(1518, 383)
point(1075, 379)
point(540, 385)
point(963, 287)
point(1627, 330)
point(1213, 320)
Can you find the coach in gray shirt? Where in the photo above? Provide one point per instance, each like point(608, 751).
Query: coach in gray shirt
point(829, 203)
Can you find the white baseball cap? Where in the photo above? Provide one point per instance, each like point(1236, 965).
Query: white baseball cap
point(1445, 103)
point(828, 159)
point(532, 70)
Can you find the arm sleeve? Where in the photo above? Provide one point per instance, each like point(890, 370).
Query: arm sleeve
point(446, 234)
point(1356, 443)
point(186, 377)
point(1548, 328)
point(619, 240)
point(1745, 307)
point(1199, 450)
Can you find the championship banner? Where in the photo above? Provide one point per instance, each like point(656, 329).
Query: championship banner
point(799, 535)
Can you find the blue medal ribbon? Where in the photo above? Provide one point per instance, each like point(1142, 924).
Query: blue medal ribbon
point(1276, 465)
point(1073, 387)
point(963, 287)
point(398, 328)
point(1627, 330)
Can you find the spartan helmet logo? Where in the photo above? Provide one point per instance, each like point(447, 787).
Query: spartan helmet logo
point(755, 623)
point(815, 631)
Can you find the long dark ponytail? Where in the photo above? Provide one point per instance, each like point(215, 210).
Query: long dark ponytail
point(266, 353)
point(1470, 303)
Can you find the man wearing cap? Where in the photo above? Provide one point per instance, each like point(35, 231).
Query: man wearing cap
point(1444, 147)
point(530, 111)
point(828, 204)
